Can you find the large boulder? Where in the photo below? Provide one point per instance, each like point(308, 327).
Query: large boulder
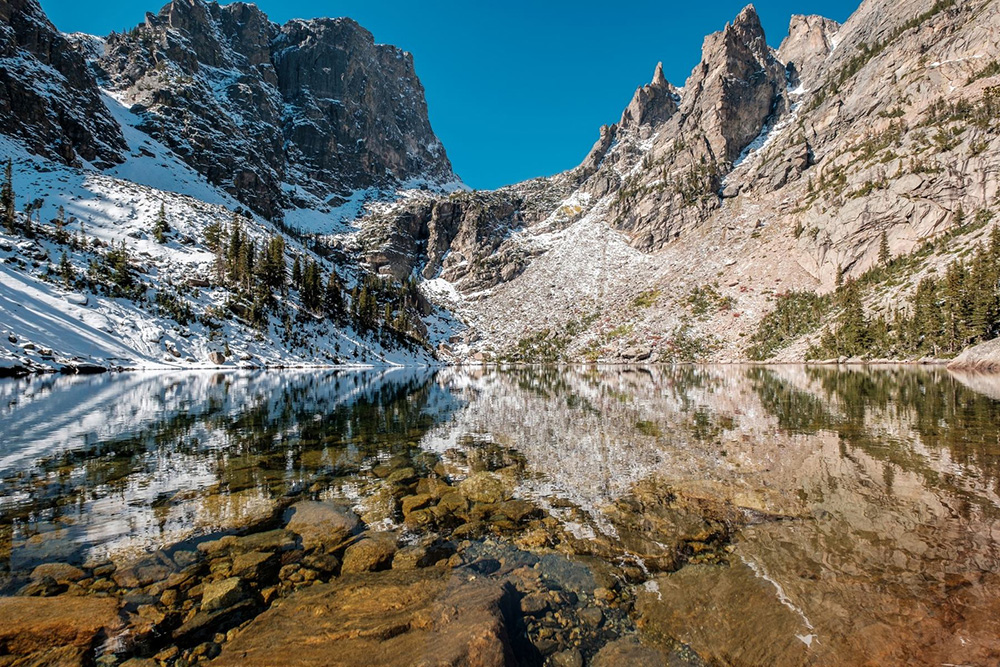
point(61, 630)
point(370, 554)
point(322, 524)
point(429, 617)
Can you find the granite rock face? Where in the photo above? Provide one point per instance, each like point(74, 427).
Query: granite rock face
point(770, 170)
point(810, 40)
point(388, 618)
point(48, 97)
point(299, 115)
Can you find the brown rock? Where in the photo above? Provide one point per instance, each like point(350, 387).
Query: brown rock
point(485, 487)
point(60, 630)
point(628, 652)
point(389, 618)
point(254, 564)
point(222, 594)
point(419, 501)
point(322, 524)
point(370, 554)
point(60, 572)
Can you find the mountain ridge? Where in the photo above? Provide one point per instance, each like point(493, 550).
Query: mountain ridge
point(771, 172)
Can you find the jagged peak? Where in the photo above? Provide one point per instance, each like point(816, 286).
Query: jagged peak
point(747, 17)
point(809, 42)
point(659, 80)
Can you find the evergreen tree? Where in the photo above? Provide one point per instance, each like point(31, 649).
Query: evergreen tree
point(247, 264)
point(161, 228)
point(852, 334)
point(7, 199)
point(235, 253)
point(333, 298)
point(214, 235)
point(959, 218)
point(310, 291)
point(61, 235)
point(367, 307)
point(271, 265)
point(884, 256)
point(220, 256)
point(297, 273)
point(66, 271)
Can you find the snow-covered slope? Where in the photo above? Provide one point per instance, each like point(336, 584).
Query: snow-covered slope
point(45, 325)
point(184, 194)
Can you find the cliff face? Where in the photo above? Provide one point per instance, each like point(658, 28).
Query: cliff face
point(299, 115)
point(770, 170)
point(48, 98)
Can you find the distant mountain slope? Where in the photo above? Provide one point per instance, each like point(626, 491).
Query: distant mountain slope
point(771, 170)
point(293, 116)
point(119, 248)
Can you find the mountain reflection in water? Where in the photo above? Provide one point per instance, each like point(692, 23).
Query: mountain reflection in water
point(762, 515)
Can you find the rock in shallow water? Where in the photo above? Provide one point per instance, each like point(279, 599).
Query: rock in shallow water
point(222, 594)
point(370, 554)
point(321, 524)
point(61, 630)
point(388, 618)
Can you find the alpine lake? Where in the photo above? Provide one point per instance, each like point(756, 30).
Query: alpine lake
point(647, 515)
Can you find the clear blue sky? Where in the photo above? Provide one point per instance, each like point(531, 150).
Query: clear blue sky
point(515, 89)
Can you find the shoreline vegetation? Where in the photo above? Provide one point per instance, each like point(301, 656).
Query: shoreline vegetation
point(983, 358)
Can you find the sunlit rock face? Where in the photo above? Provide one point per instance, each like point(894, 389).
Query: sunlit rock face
point(294, 115)
point(757, 515)
point(860, 506)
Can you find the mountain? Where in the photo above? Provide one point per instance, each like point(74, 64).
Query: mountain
point(294, 116)
point(48, 96)
point(832, 197)
point(167, 187)
point(715, 221)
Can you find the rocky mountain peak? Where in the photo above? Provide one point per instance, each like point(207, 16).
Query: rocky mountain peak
point(316, 104)
point(737, 86)
point(652, 104)
point(48, 97)
point(810, 40)
point(659, 80)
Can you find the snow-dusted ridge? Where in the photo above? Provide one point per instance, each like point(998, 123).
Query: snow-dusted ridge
point(45, 326)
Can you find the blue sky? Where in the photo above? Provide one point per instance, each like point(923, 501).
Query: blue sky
point(515, 89)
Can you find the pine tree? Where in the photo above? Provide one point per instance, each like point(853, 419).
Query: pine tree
point(235, 252)
point(884, 256)
point(333, 298)
point(271, 265)
point(61, 235)
point(161, 228)
point(66, 271)
point(297, 273)
point(214, 235)
point(959, 217)
point(7, 199)
point(311, 286)
point(220, 256)
point(853, 336)
point(839, 281)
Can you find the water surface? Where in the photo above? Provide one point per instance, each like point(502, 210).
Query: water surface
point(744, 515)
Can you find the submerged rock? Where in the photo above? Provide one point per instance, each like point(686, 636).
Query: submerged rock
point(61, 630)
point(485, 487)
point(388, 618)
point(322, 524)
point(370, 554)
point(223, 594)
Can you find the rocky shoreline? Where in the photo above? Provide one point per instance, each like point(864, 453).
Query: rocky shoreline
point(429, 561)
